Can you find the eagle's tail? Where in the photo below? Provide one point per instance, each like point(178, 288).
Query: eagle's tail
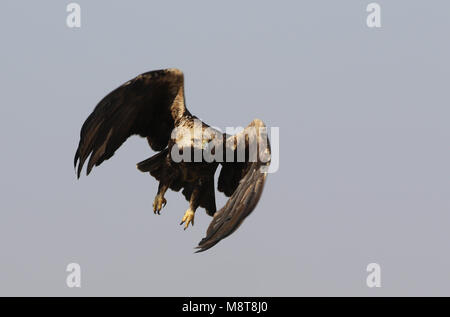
point(153, 164)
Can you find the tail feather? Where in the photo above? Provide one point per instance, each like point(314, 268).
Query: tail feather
point(153, 164)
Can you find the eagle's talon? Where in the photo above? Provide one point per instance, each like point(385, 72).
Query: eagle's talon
point(188, 218)
point(159, 203)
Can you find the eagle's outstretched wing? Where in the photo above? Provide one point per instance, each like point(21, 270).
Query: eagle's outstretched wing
point(243, 181)
point(146, 105)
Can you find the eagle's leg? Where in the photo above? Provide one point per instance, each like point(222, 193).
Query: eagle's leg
point(160, 201)
point(194, 202)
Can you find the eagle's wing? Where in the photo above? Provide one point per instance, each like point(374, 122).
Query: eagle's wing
point(146, 105)
point(243, 181)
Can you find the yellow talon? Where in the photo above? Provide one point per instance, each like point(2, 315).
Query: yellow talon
point(159, 203)
point(188, 218)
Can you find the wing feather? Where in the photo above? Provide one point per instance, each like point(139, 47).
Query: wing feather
point(246, 191)
point(148, 105)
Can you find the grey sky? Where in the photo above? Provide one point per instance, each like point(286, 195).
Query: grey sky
point(364, 162)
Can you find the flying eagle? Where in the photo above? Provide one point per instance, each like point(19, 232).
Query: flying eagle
point(152, 105)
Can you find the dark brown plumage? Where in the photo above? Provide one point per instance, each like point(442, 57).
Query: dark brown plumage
point(152, 105)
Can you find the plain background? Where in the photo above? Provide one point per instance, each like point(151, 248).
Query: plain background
point(364, 153)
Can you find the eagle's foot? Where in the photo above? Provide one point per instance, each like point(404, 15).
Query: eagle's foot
point(158, 204)
point(188, 218)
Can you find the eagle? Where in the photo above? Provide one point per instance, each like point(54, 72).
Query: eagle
point(152, 105)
